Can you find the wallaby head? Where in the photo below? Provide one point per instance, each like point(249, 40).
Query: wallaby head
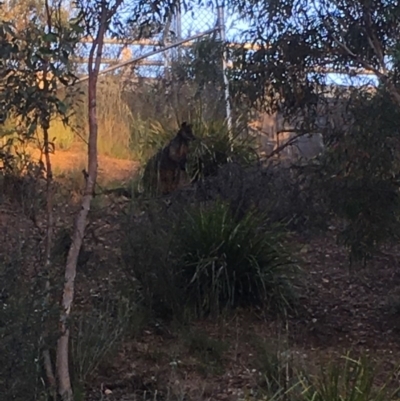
point(186, 132)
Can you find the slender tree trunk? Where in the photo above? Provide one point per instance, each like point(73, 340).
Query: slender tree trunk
point(62, 366)
point(48, 245)
point(45, 122)
point(48, 366)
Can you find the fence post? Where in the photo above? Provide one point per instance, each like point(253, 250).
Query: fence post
point(178, 27)
point(221, 30)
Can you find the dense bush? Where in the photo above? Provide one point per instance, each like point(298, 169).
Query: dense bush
point(21, 341)
point(291, 196)
point(214, 146)
point(22, 179)
point(360, 174)
point(29, 317)
point(203, 260)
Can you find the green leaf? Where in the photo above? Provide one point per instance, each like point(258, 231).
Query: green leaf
point(50, 38)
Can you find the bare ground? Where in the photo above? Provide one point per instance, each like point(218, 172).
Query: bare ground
point(74, 160)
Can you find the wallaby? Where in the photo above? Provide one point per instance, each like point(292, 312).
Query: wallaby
point(163, 172)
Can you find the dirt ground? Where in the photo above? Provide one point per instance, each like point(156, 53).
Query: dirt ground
point(110, 169)
point(340, 310)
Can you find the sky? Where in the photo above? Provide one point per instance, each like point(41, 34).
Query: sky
point(202, 18)
point(234, 26)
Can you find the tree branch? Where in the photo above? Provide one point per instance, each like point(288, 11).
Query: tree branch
point(290, 142)
point(374, 41)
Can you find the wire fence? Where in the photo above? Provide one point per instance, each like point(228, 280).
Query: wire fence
point(150, 85)
point(172, 77)
point(185, 23)
point(163, 79)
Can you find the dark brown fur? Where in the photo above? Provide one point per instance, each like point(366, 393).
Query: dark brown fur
point(164, 169)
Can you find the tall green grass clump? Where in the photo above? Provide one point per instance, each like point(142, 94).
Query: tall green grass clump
point(114, 119)
point(217, 146)
point(230, 262)
point(204, 260)
point(214, 146)
point(351, 380)
point(63, 135)
point(147, 137)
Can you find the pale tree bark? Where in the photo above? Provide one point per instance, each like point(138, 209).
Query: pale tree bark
point(49, 217)
point(48, 246)
point(62, 364)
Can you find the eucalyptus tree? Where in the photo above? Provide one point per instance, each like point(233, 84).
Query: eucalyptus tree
point(297, 42)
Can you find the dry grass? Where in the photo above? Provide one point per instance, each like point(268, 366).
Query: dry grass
point(75, 159)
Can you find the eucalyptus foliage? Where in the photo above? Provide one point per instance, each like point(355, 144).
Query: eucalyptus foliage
point(298, 40)
point(34, 67)
point(296, 43)
point(361, 172)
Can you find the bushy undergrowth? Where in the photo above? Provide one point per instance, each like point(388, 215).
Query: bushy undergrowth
point(214, 147)
point(217, 146)
point(21, 330)
point(21, 181)
point(292, 197)
point(29, 324)
point(350, 380)
point(203, 259)
point(96, 336)
point(360, 174)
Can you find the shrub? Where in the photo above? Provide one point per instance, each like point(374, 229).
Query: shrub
point(96, 335)
point(360, 175)
point(147, 137)
point(21, 181)
point(21, 334)
point(204, 259)
point(217, 146)
point(290, 197)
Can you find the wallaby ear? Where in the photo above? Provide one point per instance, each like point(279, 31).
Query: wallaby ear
point(184, 124)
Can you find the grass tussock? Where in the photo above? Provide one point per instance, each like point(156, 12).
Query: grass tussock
point(62, 135)
point(218, 146)
point(230, 262)
point(215, 146)
point(205, 260)
point(350, 380)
